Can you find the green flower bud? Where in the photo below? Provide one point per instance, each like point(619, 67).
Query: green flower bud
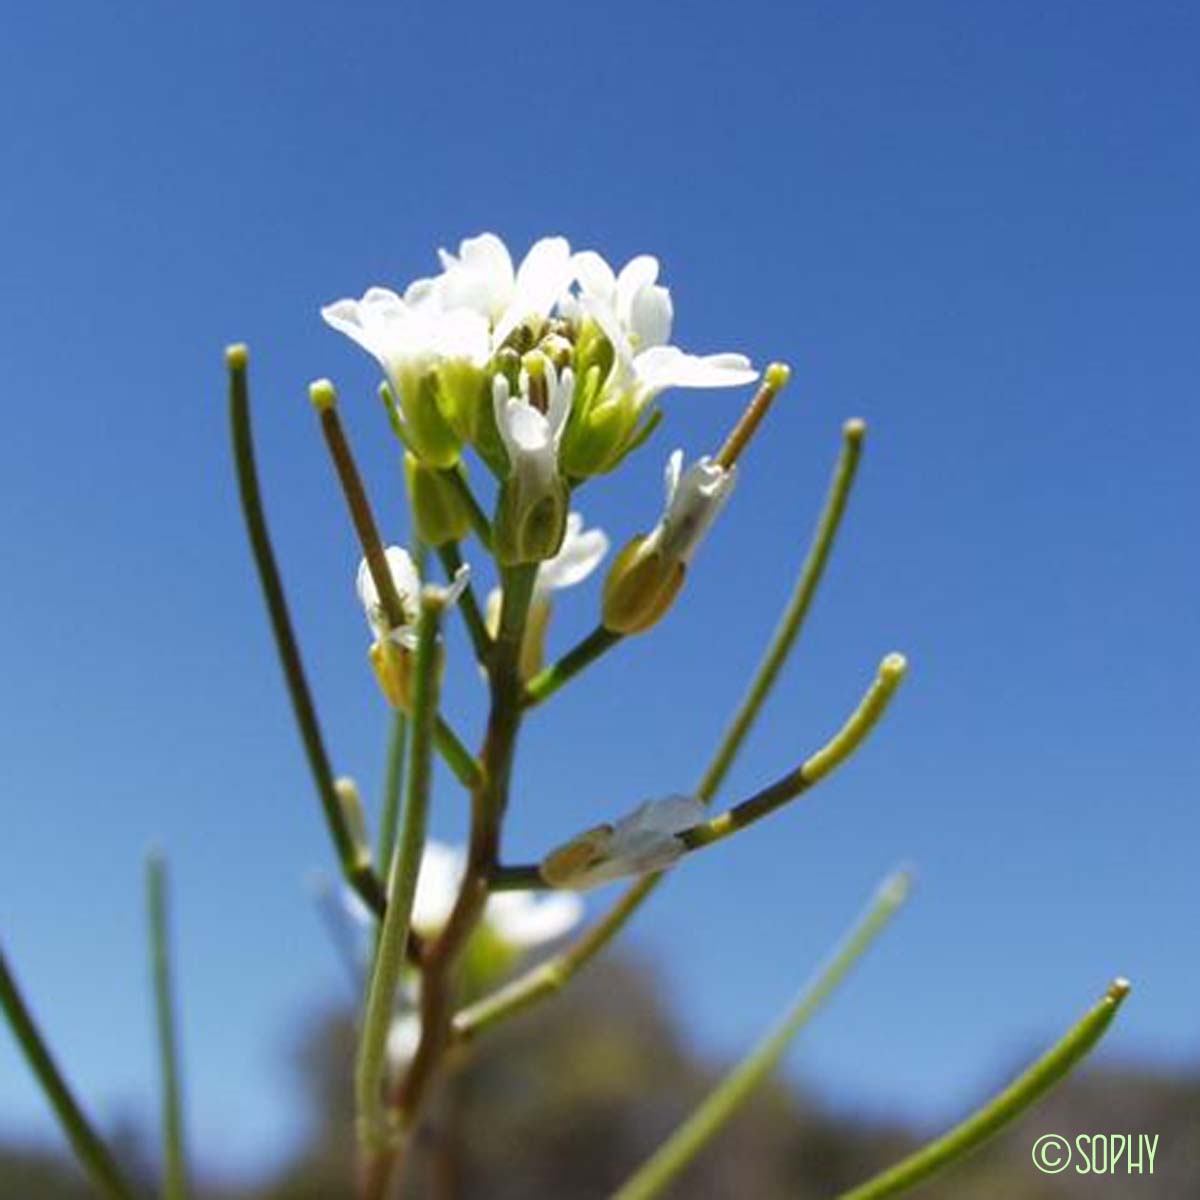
point(640, 587)
point(437, 506)
point(426, 431)
point(531, 509)
point(530, 521)
point(464, 393)
point(600, 434)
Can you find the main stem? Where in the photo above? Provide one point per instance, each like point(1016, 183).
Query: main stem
point(489, 798)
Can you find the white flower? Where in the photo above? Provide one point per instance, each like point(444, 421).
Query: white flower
point(695, 497)
point(408, 587)
point(643, 841)
point(403, 1039)
point(521, 920)
point(635, 313)
point(577, 558)
point(481, 279)
point(532, 432)
point(412, 334)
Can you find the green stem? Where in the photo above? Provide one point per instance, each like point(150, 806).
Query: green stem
point(359, 876)
point(175, 1182)
point(814, 768)
point(457, 478)
point(488, 802)
point(659, 1171)
point(371, 1067)
point(481, 640)
point(844, 743)
point(524, 878)
point(1025, 1091)
point(393, 782)
point(552, 976)
point(547, 682)
point(458, 758)
point(93, 1154)
point(790, 624)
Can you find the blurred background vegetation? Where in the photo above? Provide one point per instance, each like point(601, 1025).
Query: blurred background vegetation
point(563, 1105)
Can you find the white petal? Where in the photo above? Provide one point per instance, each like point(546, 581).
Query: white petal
point(480, 278)
point(542, 277)
point(558, 409)
point(671, 815)
point(650, 317)
point(458, 585)
point(442, 869)
point(502, 407)
point(595, 276)
point(403, 1039)
point(579, 556)
point(662, 367)
point(522, 920)
point(404, 574)
point(408, 586)
point(423, 293)
point(636, 274)
point(463, 334)
point(528, 429)
point(699, 496)
point(671, 473)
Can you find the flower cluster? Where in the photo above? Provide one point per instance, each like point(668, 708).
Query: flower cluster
point(549, 369)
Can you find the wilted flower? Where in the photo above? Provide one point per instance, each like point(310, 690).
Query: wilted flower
point(408, 588)
point(639, 843)
point(391, 651)
point(648, 573)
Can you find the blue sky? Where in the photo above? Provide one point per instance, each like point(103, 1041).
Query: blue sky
point(975, 227)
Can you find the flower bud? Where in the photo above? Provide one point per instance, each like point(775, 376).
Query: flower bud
point(649, 573)
point(393, 667)
point(438, 508)
point(392, 651)
point(426, 430)
point(350, 802)
point(464, 392)
point(531, 509)
point(600, 434)
point(640, 587)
